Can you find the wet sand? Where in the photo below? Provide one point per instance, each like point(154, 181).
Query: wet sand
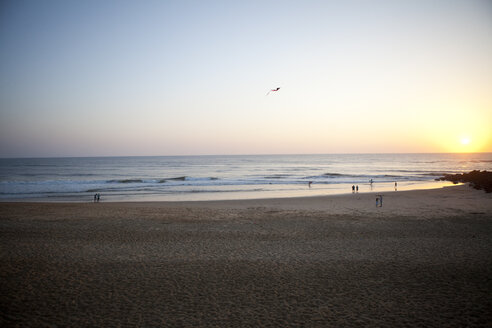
point(423, 259)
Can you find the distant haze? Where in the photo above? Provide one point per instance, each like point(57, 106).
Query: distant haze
point(103, 78)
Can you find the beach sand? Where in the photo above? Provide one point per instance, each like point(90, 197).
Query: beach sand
point(423, 259)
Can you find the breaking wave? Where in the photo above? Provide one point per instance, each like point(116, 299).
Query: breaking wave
point(126, 181)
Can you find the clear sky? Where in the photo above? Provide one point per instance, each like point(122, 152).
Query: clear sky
point(106, 78)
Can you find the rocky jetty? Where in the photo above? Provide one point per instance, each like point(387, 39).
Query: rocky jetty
point(477, 179)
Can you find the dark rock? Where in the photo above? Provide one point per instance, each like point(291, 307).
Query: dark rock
point(477, 179)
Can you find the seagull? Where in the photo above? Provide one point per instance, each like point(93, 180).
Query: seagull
point(273, 90)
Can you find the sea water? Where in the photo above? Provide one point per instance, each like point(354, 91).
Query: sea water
point(225, 177)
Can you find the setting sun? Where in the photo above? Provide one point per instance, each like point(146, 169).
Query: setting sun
point(464, 144)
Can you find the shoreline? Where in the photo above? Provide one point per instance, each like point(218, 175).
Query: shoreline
point(234, 200)
point(209, 202)
point(446, 202)
point(423, 259)
point(315, 191)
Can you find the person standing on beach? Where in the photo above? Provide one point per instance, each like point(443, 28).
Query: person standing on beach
point(380, 200)
point(95, 197)
point(98, 197)
point(377, 201)
point(353, 188)
point(310, 183)
point(357, 188)
point(396, 185)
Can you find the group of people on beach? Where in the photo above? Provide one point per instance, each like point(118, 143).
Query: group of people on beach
point(97, 197)
point(355, 189)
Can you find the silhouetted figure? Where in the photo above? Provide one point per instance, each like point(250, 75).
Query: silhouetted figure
point(98, 197)
point(353, 188)
point(310, 183)
point(95, 197)
point(396, 185)
point(357, 188)
point(377, 201)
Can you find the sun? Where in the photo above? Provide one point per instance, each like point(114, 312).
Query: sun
point(465, 141)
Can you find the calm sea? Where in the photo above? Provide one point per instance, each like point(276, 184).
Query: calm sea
point(224, 177)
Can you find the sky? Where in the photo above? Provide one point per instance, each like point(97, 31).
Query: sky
point(124, 78)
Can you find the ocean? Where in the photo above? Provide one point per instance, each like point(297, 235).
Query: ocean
point(184, 178)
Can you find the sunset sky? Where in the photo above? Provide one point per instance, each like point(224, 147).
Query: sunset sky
point(110, 78)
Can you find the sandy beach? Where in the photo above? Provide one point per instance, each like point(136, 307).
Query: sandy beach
point(423, 259)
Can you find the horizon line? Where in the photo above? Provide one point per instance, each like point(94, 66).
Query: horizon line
point(260, 154)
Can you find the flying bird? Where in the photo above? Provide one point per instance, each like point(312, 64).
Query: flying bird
point(276, 89)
